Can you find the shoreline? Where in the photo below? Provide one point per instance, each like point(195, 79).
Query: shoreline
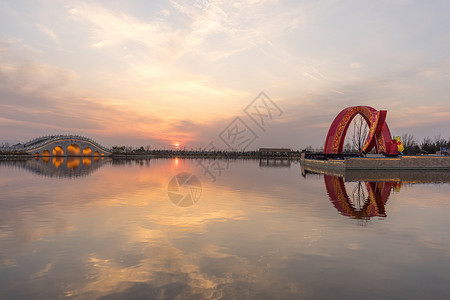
point(403, 163)
point(153, 156)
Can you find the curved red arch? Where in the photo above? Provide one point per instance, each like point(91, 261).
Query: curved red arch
point(379, 133)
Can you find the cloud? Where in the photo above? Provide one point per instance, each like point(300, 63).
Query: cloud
point(110, 29)
point(37, 98)
point(201, 61)
point(47, 31)
point(356, 65)
point(20, 72)
point(185, 27)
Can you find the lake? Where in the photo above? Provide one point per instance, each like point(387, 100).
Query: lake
point(219, 229)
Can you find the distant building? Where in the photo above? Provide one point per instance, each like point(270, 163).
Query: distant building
point(444, 151)
point(275, 152)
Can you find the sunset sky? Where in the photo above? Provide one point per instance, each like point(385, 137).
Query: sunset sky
point(164, 72)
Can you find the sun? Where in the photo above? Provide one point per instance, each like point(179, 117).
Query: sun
point(176, 145)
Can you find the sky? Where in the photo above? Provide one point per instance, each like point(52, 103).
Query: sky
point(187, 72)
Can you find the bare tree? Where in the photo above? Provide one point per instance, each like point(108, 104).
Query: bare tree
point(348, 148)
point(408, 141)
point(360, 130)
point(4, 146)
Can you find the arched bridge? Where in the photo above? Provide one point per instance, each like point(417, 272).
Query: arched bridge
point(64, 145)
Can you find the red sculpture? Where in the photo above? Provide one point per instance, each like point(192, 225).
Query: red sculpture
point(379, 135)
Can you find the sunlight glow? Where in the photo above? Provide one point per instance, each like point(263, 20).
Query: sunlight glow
point(174, 73)
point(87, 151)
point(58, 151)
point(73, 150)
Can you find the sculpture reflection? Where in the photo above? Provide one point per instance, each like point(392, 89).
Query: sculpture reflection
point(363, 194)
point(367, 199)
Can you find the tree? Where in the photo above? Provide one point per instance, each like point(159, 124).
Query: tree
point(408, 140)
point(347, 148)
point(360, 130)
point(440, 142)
point(410, 144)
point(427, 146)
point(118, 149)
point(4, 146)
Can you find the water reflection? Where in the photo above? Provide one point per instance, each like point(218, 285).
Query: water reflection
point(59, 166)
point(365, 200)
point(364, 194)
point(274, 163)
point(57, 161)
point(255, 234)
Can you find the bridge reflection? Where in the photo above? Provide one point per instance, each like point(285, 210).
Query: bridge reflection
point(59, 166)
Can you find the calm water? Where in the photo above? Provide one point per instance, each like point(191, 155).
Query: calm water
point(247, 230)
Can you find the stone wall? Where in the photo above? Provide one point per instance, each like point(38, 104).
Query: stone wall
point(430, 162)
point(402, 163)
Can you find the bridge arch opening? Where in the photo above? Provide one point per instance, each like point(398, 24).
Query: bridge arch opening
point(87, 151)
point(96, 153)
point(73, 150)
point(36, 156)
point(45, 153)
point(58, 151)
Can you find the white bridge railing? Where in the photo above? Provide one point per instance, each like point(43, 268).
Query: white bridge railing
point(42, 141)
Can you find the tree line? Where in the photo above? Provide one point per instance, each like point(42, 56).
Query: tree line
point(427, 146)
point(410, 143)
point(138, 151)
